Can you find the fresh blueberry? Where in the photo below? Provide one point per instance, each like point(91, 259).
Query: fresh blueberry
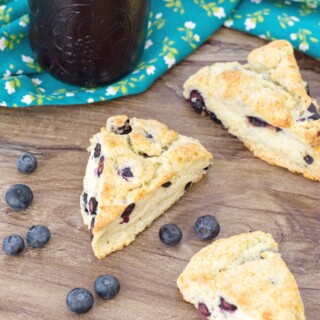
point(13, 245)
point(170, 234)
point(27, 163)
point(38, 236)
point(79, 300)
point(107, 286)
point(207, 227)
point(19, 197)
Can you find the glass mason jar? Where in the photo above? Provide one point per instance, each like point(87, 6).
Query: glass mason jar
point(88, 42)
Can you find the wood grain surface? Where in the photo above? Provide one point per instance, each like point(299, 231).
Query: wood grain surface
point(243, 193)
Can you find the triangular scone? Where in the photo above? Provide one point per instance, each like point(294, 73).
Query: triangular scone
point(265, 104)
point(136, 170)
point(242, 278)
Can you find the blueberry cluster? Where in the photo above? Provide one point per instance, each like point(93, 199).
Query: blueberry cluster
point(37, 237)
point(206, 228)
point(80, 300)
point(19, 197)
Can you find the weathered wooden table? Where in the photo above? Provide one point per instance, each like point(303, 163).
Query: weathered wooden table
point(243, 192)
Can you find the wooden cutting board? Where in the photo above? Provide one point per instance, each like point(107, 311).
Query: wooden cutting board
point(242, 192)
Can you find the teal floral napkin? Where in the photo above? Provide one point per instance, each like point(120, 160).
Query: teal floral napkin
point(176, 28)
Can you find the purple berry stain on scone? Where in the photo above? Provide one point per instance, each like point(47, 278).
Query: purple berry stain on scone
point(125, 173)
point(315, 113)
point(308, 159)
point(197, 102)
point(100, 166)
point(126, 213)
point(204, 310)
point(93, 220)
point(85, 201)
point(167, 184)
point(214, 118)
point(188, 185)
point(97, 150)
point(93, 205)
point(149, 136)
point(224, 305)
point(256, 122)
point(125, 129)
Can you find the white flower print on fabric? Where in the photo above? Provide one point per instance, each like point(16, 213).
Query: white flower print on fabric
point(159, 15)
point(36, 81)
point(27, 99)
point(250, 24)
point(111, 91)
point(148, 44)
point(90, 100)
point(9, 86)
point(22, 23)
point(303, 46)
point(196, 37)
point(3, 43)
point(7, 74)
point(293, 36)
point(170, 61)
point(151, 70)
point(219, 13)
point(228, 23)
point(190, 24)
point(3, 104)
point(69, 94)
point(26, 59)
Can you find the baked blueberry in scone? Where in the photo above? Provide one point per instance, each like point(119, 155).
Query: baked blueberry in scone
point(265, 104)
point(136, 170)
point(241, 278)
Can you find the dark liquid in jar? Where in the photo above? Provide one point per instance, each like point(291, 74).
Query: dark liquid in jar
point(88, 42)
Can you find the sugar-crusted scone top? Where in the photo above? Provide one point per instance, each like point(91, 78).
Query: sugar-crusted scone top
point(242, 277)
point(138, 158)
point(270, 85)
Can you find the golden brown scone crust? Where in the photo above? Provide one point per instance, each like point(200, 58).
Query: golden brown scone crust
point(247, 271)
point(270, 88)
point(154, 154)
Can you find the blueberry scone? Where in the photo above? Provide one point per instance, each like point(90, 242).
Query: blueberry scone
point(266, 104)
point(136, 170)
point(242, 278)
